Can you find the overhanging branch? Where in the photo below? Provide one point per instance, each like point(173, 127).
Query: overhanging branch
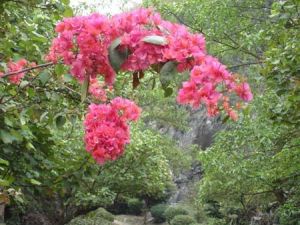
point(28, 69)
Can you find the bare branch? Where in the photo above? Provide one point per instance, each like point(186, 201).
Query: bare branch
point(28, 69)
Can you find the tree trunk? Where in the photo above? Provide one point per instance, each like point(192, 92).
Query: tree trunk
point(2, 207)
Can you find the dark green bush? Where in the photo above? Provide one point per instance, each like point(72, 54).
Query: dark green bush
point(135, 206)
point(182, 220)
point(158, 212)
point(173, 211)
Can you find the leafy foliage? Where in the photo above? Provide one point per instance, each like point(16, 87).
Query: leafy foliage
point(158, 213)
point(251, 169)
point(99, 216)
point(182, 220)
point(173, 211)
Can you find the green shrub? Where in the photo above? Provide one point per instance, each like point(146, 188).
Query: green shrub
point(289, 214)
point(173, 211)
point(98, 216)
point(135, 206)
point(182, 220)
point(101, 213)
point(158, 212)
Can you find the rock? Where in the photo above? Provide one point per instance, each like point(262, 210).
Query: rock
point(201, 132)
point(36, 219)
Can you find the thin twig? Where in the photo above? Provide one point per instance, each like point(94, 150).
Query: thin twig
point(28, 69)
point(244, 64)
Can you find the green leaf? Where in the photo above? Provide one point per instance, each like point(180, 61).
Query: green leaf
point(30, 146)
point(17, 136)
point(68, 12)
point(68, 77)
point(60, 121)
point(31, 92)
point(44, 76)
point(6, 137)
point(73, 119)
point(85, 88)
point(4, 183)
point(38, 37)
point(156, 40)
point(167, 73)
point(35, 182)
point(168, 92)
point(23, 83)
point(59, 69)
point(8, 122)
point(153, 84)
point(116, 57)
point(4, 162)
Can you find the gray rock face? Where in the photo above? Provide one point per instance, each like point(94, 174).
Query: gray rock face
point(36, 219)
point(201, 132)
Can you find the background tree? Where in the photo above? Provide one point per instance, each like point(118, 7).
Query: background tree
point(252, 166)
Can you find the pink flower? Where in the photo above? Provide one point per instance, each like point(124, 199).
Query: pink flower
point(97, 91)
point(233, 115)
point(243, 90)
point(14, 67)
point(128, 109)
point(106, 128)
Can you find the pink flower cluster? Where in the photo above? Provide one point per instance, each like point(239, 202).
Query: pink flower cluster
point(202, 86)
point(83, 43)
point(14, 67)
point(96, 89)
point(106, 128)
point(143, 54)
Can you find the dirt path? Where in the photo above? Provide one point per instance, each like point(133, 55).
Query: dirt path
point(128, 220)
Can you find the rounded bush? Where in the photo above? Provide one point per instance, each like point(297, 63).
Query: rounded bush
point(135, 206)
point(183, 220)
point(173, 211)
point(158, 212)
point(101, 213)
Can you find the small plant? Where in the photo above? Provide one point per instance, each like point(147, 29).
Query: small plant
point(173, 211)
point(158, 212)
point(182, 220)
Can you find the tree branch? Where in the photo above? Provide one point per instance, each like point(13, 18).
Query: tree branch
point(237, 47)
point(244, 64)
point(28, 69)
